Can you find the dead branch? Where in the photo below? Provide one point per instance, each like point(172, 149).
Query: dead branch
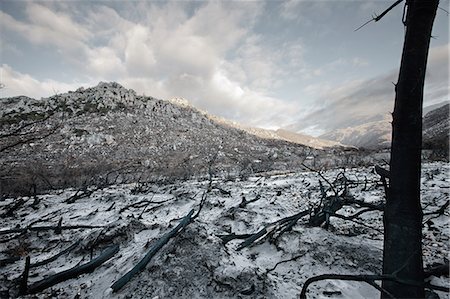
point(143, 203)
point(323, 177)
point(155, 248)
point(331, 205)
point(349, 218)
point(438, 269)
point(58, 227)
point(227, 238)
point(383, 173)
point(377, 18)
point(275, 228)
point(439, 211)
point(348, 200)
point(223, 191)
point(245, 202)
point(27, 140)
point(294, 258)
point(370, 279)
point(24, 279)
point(74, 272)
point(56, 256)
point(79, 194)
point(111, 207)
point(17, 204)
point(45, 228)
point(19, 131)
point(9, 260)
point(444, 10)
point(202, 203)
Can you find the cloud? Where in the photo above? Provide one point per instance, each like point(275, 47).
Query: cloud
point(360, 101)
point(437, 77)
point(299, 10)
point(205, 52)
point(359, 62)
point(104, 63)
point(48, 28)
point(16, 83)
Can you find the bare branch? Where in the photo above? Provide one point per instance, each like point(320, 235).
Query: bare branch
point(377, 18)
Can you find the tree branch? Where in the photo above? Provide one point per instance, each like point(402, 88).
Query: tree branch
point(155, 248)
point(377, 18)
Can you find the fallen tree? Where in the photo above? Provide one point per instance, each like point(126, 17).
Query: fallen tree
point(45, 228)
point(151, 253)
point(319, 215)
point(73, 272)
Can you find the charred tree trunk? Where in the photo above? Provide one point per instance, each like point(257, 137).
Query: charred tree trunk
point(403, 213)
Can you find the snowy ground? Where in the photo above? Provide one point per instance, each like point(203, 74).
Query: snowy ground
point(195, 264)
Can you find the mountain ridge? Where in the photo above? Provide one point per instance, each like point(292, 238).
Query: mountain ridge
point(92, 133)
point(377, 135)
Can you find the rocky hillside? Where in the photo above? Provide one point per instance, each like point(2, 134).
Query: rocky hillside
point(109, 133)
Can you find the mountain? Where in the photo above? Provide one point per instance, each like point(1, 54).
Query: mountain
point(108, 133)
point(436, 129)
point(282, 134)
point(372, 135)
point(377, 135)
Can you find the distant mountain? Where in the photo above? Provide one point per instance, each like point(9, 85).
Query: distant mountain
point(436, 129)
point(372, 135)
point(108, 132)
point(377, 134)
point(282, 134)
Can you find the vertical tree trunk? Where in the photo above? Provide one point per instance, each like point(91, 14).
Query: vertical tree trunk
point(403, 213)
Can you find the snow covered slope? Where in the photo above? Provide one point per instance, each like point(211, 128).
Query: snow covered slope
point(196, 263)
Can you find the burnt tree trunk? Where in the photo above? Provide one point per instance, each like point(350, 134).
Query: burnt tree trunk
point(403, 214)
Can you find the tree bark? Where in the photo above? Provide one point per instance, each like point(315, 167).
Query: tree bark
point(403, 213)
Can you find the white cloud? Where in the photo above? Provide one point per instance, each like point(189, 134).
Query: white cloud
point(104, 63)
point(55, 24)
point(16, 83)
point(48, 28)
point(359, 62)
point(165, 52)
point(301, 10)
point(358, 101)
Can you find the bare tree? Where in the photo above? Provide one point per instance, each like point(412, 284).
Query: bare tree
point(403, 212)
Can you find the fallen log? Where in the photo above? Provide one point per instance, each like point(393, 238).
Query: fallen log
point(439, 211)
point(53, 258)
point(24, 278)
point(10, 211)
point(245, 202)
point(369, 279)
point(44, 228)
point(227, 238)
point(155, 248)
point(73, 272)
point(437, 269)
point(279, 226)
point(81, 193)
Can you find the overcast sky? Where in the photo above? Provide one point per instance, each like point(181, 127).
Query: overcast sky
point(296, 64)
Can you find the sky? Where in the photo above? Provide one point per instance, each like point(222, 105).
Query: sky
point(273, 64)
